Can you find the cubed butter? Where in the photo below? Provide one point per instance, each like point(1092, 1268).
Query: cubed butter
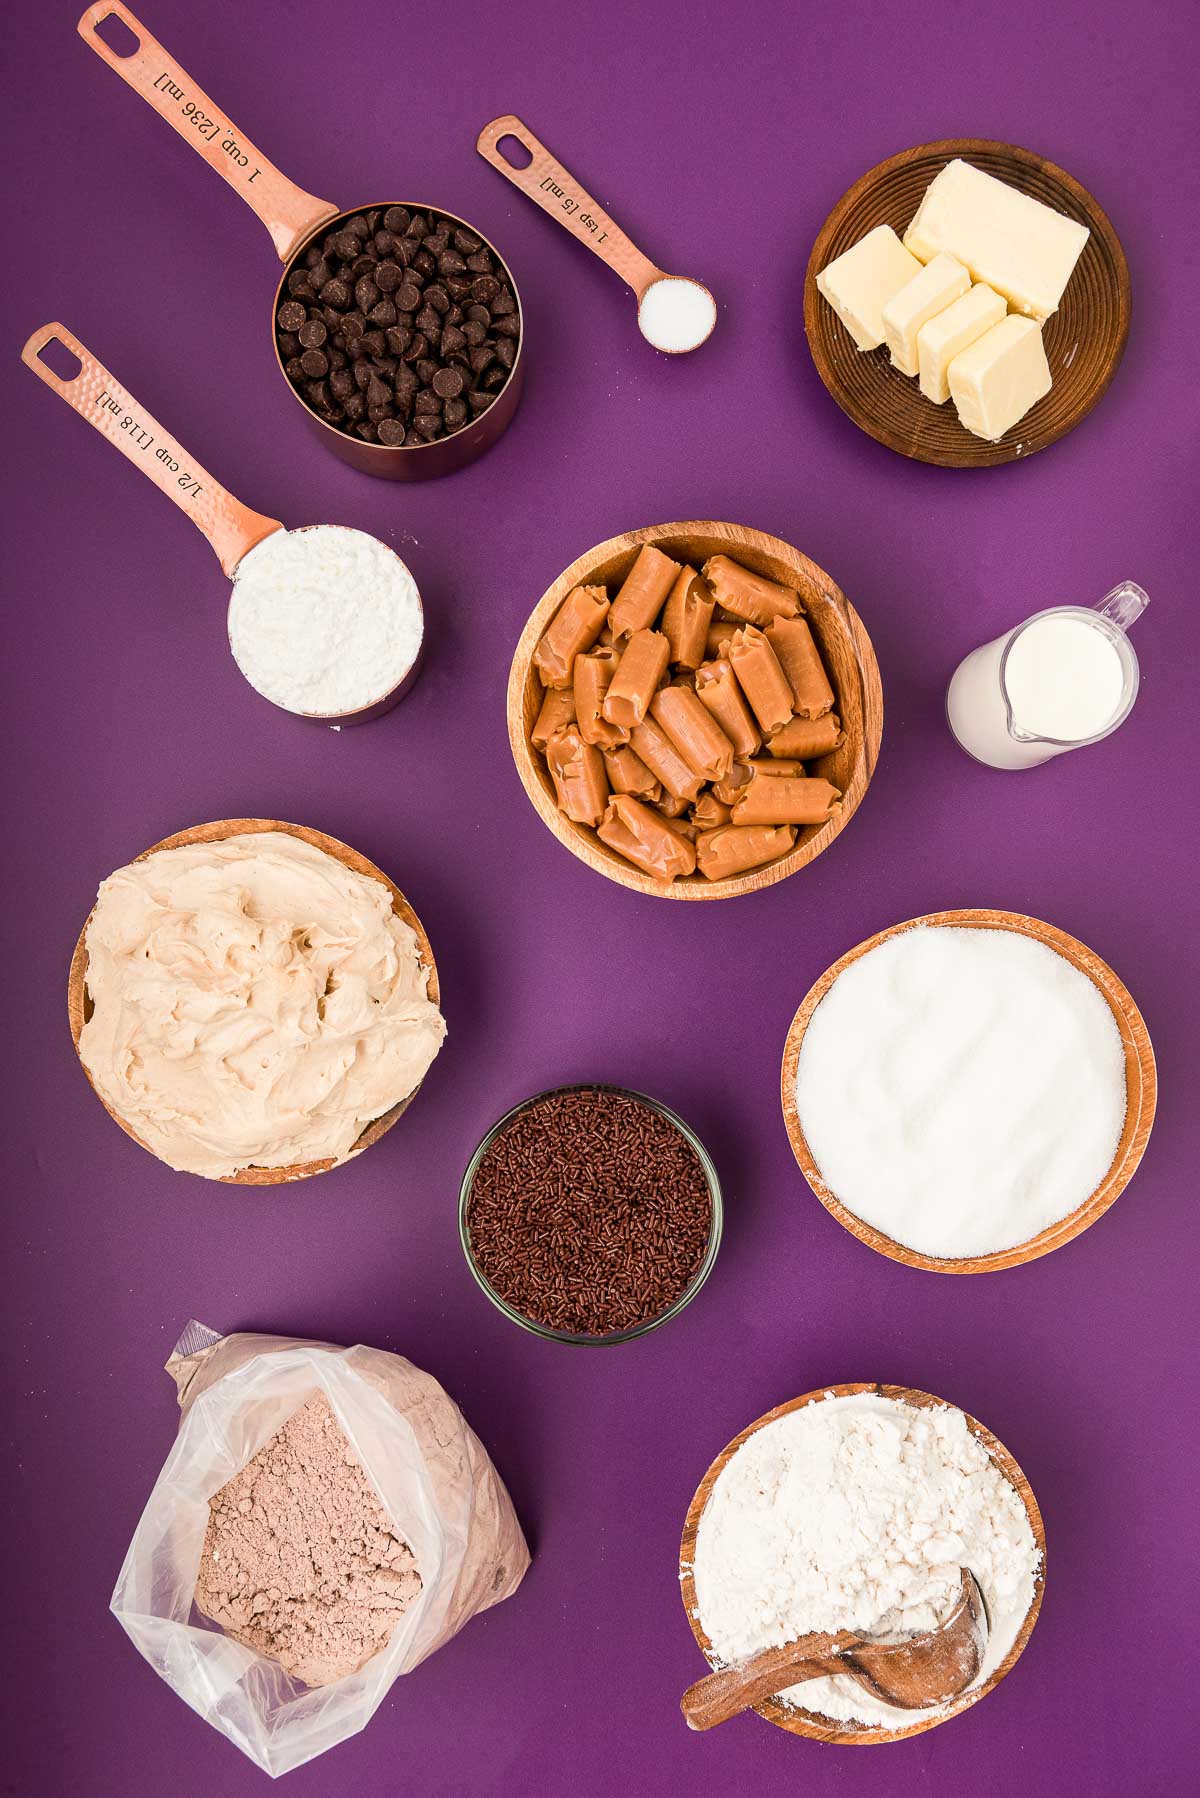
point(1025, 250)
point(930, 291)
point(859, 283)
point(995, 381)
point(943, 338)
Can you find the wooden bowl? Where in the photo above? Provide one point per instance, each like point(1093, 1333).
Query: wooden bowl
point(1141, 1093)
point(1084, 339)
point(79, 1005)
point(811, 1723)
point(845, 647)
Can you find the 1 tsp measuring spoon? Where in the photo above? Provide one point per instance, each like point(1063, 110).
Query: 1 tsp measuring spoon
point(297, 221)
point(675, 313)
point(233, 530)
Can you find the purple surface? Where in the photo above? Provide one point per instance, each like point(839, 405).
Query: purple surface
point(721, 146)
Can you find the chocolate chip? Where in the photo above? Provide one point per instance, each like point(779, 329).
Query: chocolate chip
point(448, 383)
point(377, 336)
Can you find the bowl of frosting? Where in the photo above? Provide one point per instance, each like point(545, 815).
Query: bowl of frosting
point(854, 1508)
point(254, 1001)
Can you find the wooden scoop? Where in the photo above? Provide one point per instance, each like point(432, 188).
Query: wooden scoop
point(549, 185)
point(911, 1674)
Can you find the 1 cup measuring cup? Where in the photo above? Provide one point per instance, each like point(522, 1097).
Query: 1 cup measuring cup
point(300, 224)
point(1065, 678)
point(675, 313)
point(261, 614)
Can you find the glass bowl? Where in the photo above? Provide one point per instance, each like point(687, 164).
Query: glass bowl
point(716, 1212)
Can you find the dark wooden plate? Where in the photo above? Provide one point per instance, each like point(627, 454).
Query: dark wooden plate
point(1084, 339)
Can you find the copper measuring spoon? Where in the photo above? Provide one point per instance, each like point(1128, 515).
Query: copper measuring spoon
point(912, 1674)
point(295, 219)
point(549, 185)
point(231, 528)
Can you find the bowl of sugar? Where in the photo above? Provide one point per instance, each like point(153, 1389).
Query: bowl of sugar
point(969, 1090)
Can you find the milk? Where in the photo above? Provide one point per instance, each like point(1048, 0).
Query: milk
point(1064, 678)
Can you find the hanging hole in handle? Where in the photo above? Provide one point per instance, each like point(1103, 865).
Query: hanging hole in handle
point(60, 359)
point(113, 31)
point(507, 145)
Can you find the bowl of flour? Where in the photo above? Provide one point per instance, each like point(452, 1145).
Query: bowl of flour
point(854, 1508)
point(968, 1090)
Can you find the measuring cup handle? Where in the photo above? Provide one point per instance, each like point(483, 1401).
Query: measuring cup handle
point(549, 185)
point(287, 211)
point(230, 527)
point(1124, 605)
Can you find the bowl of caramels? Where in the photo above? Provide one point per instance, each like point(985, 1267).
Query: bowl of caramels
point(695, 709)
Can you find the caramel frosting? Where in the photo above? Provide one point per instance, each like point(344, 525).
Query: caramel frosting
point(254, 1003)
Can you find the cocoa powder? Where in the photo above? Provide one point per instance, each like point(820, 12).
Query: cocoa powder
point(300, 1560)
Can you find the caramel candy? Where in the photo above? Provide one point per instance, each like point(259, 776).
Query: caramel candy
point(558, 707)
point(761, 678)
point(642, 593)
point(718, 691)
point(801, 662)
point(645, 839)
point(686, 618)
point(735, 849)
point(764, 764)
point(593, 676)
point(573, 629)
point(808, 737)
point(627, 773)
point(708, 812)
point(670, 807)
point(676, 821)
point(786, 800)
point(694, 731)
point(717, 636)
point(730, 790)
point(643, 664)
point(750, 597)
point(664, 761)
point(577, 770)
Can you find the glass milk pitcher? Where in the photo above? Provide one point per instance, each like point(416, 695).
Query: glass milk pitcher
point(1063, 679)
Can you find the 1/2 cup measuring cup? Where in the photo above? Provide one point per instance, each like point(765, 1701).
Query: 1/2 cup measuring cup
point(297, 220)
point(233, 530)
point(1065, 678)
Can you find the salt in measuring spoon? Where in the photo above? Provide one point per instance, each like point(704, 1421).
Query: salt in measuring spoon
point(675, 313)
point(232, 529)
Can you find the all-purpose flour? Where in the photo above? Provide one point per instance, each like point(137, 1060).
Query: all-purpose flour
point(324, 620)
point(962, 1089)
point(857, 1513)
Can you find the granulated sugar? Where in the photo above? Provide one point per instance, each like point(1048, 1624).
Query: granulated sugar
point(857, 1513)
point(300, 1560)
point(676, 314)
point(324, 620)
point(962, 1089)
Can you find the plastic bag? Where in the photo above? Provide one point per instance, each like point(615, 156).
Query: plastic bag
point(431, 1472)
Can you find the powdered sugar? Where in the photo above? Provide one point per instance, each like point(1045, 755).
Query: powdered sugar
point(962, 1089)
point(324, 620)
point(857, 1513)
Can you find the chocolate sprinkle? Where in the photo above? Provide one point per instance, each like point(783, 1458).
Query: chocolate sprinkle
point(589, 1213)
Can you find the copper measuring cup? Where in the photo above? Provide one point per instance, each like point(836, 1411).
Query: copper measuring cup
point(231, 528)
point(295, 218)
